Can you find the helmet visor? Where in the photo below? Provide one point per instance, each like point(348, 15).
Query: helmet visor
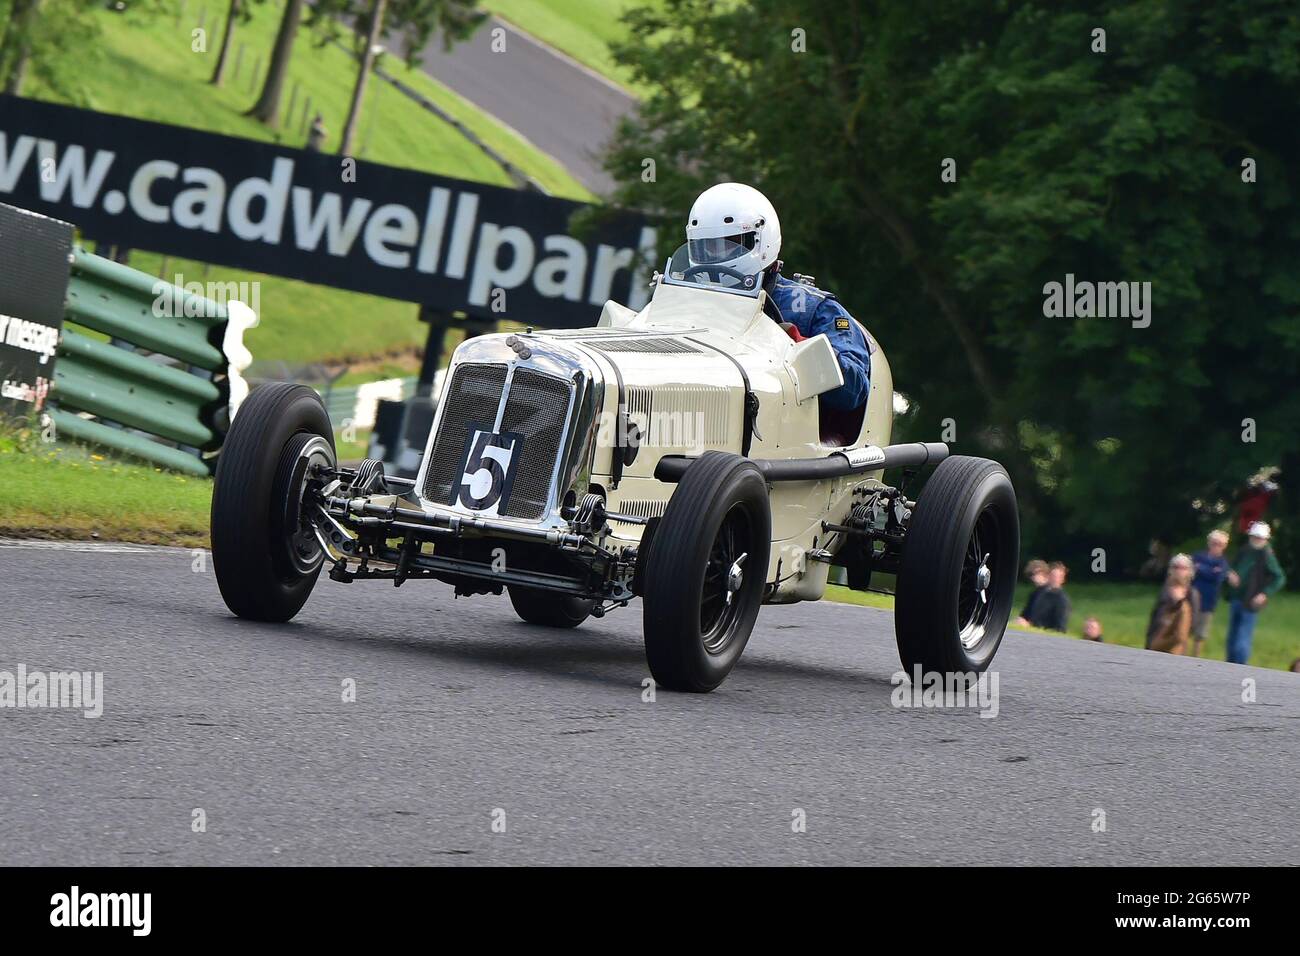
point(720, 249)
point(734, 269)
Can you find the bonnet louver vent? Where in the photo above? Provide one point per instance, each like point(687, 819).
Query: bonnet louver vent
point(654, 346)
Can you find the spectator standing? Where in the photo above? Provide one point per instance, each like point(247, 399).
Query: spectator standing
point(1052, 609)
point(1182, 570)
point(1171, 621)
point(1211, 569)
point(1170, 627)
point(1253, 578)
point(1036, 571)
point(317, 135)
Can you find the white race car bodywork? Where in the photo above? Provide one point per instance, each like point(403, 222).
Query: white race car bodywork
point(671, 456)
point(680, 371)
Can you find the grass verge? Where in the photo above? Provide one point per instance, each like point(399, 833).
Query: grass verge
point(76, 494)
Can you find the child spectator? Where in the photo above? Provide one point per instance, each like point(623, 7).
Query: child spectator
point(1211, 571)
point(1092, 629)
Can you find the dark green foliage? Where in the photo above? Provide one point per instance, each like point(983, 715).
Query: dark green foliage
point(1117, 166)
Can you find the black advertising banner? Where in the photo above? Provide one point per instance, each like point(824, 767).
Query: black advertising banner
point(447, 243)
point(34, 267)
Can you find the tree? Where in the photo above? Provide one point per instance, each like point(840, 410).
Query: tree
point(1123, 165)
point(36, 37)
point(415, 21)
point(363, 76)
point(15, 55)
point(267, 107)
point(240, 11)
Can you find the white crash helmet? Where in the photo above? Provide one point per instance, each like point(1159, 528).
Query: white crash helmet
point(735, 226)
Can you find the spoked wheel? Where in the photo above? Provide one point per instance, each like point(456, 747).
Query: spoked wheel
point(724, 575)
point(974, 610)
point(957, 577)
point(705, 573)
point(302, 551)
point(265, 555)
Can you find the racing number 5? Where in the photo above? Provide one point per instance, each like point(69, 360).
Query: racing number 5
point(489, 471)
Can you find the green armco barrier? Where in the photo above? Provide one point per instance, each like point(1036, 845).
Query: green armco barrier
point(69, 425)
point(127, 388)
point(121, 386)
point(119, 301)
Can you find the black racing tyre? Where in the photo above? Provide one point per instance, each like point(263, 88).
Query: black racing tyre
point(548, 608)
point(266, 560)
point(706, 572)
point(957, 577)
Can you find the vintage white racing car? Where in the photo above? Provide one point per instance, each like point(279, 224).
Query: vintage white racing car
point(674, 454)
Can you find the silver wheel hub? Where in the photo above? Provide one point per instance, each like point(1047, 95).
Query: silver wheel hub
point(972, 633)
point(305, 549)
point(735, 576)
point(983, 578)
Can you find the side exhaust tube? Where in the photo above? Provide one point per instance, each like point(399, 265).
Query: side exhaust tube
point(835, 465)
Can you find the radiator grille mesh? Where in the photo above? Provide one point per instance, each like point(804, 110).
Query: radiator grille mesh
point(471, 399)
point(537, 408)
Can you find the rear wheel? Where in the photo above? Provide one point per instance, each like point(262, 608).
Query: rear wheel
point(549, 609)
point(958, 570)
point(705, 573)
point(264, 553)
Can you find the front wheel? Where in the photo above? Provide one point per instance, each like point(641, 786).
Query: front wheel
point(957, 577)
point(706, 572)
point(265, 555)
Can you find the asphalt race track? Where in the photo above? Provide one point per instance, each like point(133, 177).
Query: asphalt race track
point(463, 711)
point(563, 108)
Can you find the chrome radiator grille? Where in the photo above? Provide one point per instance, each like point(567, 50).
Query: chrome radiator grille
point(471, 398)
point(538, 408)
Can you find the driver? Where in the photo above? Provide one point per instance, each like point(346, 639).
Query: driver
point(733, 226)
